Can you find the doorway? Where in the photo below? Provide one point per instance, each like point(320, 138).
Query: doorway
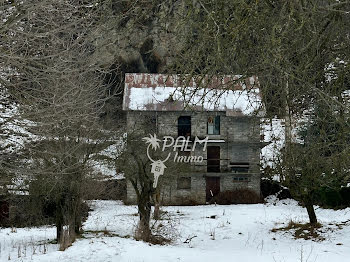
point(212, 187)
point(213, 159)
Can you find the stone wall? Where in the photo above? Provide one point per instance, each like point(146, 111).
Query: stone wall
point(241, 143)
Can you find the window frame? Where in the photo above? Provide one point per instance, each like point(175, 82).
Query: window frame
point(215, 125)
point(185, 126)
point(241, 179)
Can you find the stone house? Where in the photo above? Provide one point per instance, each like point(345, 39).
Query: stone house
point(225, 113)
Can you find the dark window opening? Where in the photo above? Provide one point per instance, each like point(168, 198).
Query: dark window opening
point(213, 159)
point(239, 167)
point(213, 125)
point(241, 179)
point(184, 183)
point(184, 126)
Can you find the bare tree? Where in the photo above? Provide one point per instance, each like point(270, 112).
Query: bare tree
point(48, 48)
point(135, 166)
point(135, 161)
point(321, 160)
point(293, 47)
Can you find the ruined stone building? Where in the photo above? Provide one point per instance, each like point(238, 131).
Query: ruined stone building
point(226, 111)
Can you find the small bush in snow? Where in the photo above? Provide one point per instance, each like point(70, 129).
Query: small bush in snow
point(238, 196)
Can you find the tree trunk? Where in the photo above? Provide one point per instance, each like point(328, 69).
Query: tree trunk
point(156, 198)
point(143, 231)
point(71, 231)
point(59, 228)
point(77, 227)
point(311, 211)
point(68, 232)
point(287, 118)
point(59, 223)
point(68, 221)
point(78, 216)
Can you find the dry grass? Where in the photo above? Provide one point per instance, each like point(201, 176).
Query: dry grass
point(302, 230)
point(164, 231)
point(104, 233)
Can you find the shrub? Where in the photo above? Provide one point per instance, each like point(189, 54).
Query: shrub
point(27, 212)
point(329, 197)
point(333, 197)
point(345, 195)
point(284, 194)
point(191, 200)
point(270, 187)
point(112, 189)
point(238, 196)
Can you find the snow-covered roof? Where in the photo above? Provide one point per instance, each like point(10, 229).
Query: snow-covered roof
point(159, 92)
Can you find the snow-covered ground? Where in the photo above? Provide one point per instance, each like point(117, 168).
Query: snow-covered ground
point(237, 233)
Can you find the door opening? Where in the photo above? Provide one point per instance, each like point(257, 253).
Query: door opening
point(212, 187)
point(213, 159)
